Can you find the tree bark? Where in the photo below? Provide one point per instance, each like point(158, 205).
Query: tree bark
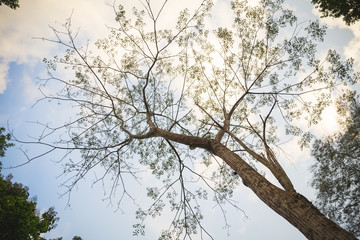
point(291, 205)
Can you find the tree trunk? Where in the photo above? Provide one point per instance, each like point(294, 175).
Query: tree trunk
point(291, 205)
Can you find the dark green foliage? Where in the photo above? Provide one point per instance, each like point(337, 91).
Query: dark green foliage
point(19, 218)
point(4, 142)
point(349, 10)
point(10, 3)
point(337, 169)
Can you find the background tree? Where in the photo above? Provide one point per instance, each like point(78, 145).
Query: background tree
point(19, 218)
point(10, 3)
point(349, 10)
point(337, 168)
point(194, 104)
point(4, 143)
point(74, 238)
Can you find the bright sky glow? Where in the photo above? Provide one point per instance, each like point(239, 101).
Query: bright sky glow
point(89, 216)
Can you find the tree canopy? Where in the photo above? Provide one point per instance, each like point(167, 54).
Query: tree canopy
point(19, 218)
point(337, 168)
point(349, 10)
point(4, 142)
point(10, 3)
point(194, 104)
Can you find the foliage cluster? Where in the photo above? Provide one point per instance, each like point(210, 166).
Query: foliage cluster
point(349, 10)
point(337, 168)
point(10, 3)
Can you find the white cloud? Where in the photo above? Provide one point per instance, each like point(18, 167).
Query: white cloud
point(222, 15)
point(31, 92)
point(352, 49)
point(19, 27)
point(3, 76)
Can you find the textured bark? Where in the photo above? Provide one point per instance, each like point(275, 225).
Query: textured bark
point(291, 205)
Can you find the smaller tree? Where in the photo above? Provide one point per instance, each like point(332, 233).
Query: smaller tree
point(19, 218)
point(4, 142)
point(10, 3)
point(337, 168)
point(349, 10)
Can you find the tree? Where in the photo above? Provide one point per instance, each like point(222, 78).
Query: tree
point(202, 108)
point(4, 142)
point(349, 10)
point(74, 238)
point(19, 218)
point(337, 168)
point(10, 3)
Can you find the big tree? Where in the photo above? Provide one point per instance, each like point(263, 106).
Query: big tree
point(168, 95)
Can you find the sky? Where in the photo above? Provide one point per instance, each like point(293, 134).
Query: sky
point(89, 215)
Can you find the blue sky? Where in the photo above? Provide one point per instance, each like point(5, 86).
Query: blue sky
point(89, 216)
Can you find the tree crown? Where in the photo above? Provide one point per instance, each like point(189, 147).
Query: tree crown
point(170, 97)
